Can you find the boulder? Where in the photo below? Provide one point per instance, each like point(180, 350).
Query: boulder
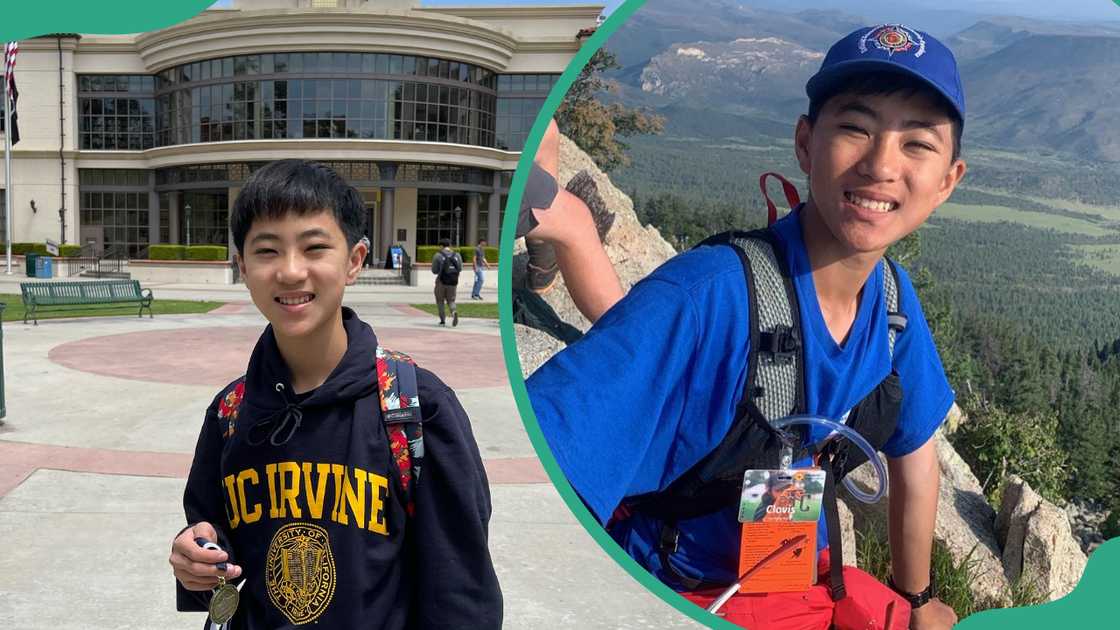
point(1039, 550)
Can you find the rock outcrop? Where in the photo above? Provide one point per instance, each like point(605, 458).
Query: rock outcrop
point(1039, 550)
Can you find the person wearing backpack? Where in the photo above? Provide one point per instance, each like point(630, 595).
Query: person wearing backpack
point(340, 483)
point(675, 368)
point(447, 264)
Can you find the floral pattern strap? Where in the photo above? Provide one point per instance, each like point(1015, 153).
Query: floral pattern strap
point(227, 407)
point(400, 408)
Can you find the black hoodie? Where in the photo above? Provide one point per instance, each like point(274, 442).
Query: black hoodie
point(317, 522)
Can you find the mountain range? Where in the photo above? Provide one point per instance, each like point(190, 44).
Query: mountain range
point(1030, 84)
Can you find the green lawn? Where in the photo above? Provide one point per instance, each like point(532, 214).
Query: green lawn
point(14, 309)
point(1106, 213)
point(484, 310)
point(995, 214)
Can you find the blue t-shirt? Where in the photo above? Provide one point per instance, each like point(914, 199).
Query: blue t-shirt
point(652, 388)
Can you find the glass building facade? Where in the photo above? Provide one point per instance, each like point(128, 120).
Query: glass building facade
point(297, 95)
point(311, 95)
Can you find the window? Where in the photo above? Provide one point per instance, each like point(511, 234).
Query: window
point(117, 201)
point(116, 112)
point(436, 217)
point(520, 98)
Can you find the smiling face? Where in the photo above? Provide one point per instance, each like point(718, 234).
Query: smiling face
point(878, 166)
point(296, 268)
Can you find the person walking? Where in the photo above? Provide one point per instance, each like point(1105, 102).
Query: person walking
point(480, 267)
point(447, 264)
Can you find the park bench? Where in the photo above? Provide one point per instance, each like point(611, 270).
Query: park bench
point(101, 292)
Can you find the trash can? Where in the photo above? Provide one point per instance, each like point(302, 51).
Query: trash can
point(30, 269)
point(43, 267)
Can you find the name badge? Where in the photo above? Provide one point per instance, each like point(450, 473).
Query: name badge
point(776, 506)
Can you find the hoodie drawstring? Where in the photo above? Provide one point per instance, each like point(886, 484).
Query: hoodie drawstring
point(286, 421)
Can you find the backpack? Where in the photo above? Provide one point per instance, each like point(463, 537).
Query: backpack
point(400, 413)
point(449, 269)
point(775, 388)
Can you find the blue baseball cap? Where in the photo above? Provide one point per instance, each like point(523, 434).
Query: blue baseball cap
point(891, 48)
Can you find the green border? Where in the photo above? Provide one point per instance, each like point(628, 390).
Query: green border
point(1088, 602)
point(23, 20)
point(509, 343)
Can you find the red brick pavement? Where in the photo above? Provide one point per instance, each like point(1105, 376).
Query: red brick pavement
point(214, 356)
point(217, 355)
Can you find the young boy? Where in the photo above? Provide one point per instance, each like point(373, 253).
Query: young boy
point(294, 476)
point(880, 146)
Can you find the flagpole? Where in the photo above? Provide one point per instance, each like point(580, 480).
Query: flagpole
point(7, 169)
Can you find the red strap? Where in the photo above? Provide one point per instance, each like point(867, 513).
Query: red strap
point(791, 196)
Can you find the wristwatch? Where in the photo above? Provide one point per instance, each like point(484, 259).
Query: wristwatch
point(917, 600)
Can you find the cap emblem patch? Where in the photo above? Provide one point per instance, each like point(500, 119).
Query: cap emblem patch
point(893, 38)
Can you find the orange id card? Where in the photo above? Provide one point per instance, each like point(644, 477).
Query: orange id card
point(793, 571)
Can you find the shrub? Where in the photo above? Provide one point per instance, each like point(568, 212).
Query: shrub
point(207, 252)
point(467, 253)
point(166, 252)
point(425, 253)
point(69, 251)
point(1111, 526)
point(996, 443)
point(23, 248)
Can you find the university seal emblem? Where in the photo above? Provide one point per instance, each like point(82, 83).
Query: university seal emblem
point(300, 572)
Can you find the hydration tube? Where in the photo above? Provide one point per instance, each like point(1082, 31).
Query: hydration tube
point(844, 430)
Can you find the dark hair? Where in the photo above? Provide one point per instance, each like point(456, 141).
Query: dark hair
point(299, 187)
point(445, 242)
point(885, 84)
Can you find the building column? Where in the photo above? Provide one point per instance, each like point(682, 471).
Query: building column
point(472, 219)
point(173, 218)
point(387, 235)
point(231, 197)
point(153, 211)
point(494, 221)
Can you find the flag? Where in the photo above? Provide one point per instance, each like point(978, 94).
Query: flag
point(11, 49)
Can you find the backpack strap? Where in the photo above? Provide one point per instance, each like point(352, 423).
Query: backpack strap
point(400, 410)
point(228, 406)
point(896, 319)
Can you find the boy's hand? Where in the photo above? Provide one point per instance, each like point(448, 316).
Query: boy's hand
point(194, 566)
point(935, 615)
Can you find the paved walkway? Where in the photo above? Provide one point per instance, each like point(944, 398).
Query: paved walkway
point(103, 414)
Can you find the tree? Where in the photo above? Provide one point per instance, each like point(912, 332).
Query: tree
point(596, 126)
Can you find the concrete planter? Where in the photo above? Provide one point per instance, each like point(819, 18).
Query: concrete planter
point(181, 271)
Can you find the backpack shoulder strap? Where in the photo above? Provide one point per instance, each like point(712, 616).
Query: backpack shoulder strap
point(229, 404)
point(896, 319)
point(775, 381)
point(400, 410)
